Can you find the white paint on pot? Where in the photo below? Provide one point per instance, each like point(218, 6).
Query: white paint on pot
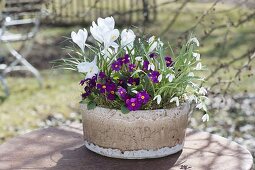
point(136, 154)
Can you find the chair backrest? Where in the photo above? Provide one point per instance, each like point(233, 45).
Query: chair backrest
point(22, 14)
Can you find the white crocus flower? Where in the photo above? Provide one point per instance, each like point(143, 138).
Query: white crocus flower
point(109, 39)
point(194, 40)
point(90, 68)
point(197, 56)
point(158, 98)
point(80, 38)
point(202, 91)
point(127, 38)
point(151, 66)
point(104, 32)
point(198, 66)
point(205, 118)
point(160, 77)
point(176, 100)
point(170, 77)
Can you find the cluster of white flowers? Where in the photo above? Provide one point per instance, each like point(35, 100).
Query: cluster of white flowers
point(105, 34)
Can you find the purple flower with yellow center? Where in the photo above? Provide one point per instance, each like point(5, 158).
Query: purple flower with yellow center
point(133, 104)
point(111, 96)
point(124, 60)
point(111, 88)
point(101, 75)
point(143, 97)
point(154, 76)
point(153, 55)
point(169, 61)
point(131, 67)
point(116, 66)
point(101, 88)
point(122, 93)
point(86, 92)
point(145, 65)
point(133, 81)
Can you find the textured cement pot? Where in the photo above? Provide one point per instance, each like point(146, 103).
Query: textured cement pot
point(136, 135)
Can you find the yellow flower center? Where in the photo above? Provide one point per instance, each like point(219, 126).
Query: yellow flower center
point(112, 92)
point(133, 104)
point(142, 97)
point(103, 86)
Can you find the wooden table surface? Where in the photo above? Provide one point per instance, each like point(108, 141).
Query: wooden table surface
point(62, 148)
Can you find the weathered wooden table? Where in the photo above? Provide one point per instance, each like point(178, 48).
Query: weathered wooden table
point(62, 148)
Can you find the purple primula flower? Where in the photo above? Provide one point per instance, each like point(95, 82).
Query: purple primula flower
point(169, 61)
point(90, 82)
point(122, 93)
point(111, 88)
point(125, 59)
point(154, 76)
point(86, 92)
point(116, 66)
point(101, 75)
point(153, 55)
point(101, 88)
point(145, 65)
point(93, 81)
point(131, 67)
point(111, 96)
point(134, 81)
point(143, 97)
point(133, 104)
point(82, 82)
point(122, 83)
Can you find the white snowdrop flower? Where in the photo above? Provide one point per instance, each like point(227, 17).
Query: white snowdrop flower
point(127, 38)
point(170, 77)
point(201, 106)
point(197, 56)
point(176, 100)
point(191, 74)
point(198, 66)
point(194, 40)
point(139, 58)
point(158, 98)
point(192, 98)
point(202, 91)
point(151, 66)
point(80, 38)
point(205, 118)
point(90, 68)
point(160, 77)
point(160, 43)
point(134, 91)
point(153, 44)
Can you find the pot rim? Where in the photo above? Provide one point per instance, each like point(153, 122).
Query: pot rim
point(181, 106)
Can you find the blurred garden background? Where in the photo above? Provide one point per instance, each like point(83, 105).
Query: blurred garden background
point(225, 29)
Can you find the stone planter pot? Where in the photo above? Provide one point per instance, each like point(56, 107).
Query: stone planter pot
point(136, 135)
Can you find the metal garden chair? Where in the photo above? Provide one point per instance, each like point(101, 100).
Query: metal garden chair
point(20, 23)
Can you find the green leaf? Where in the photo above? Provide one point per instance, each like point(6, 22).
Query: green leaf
point(124, 109)
point(91, 105)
